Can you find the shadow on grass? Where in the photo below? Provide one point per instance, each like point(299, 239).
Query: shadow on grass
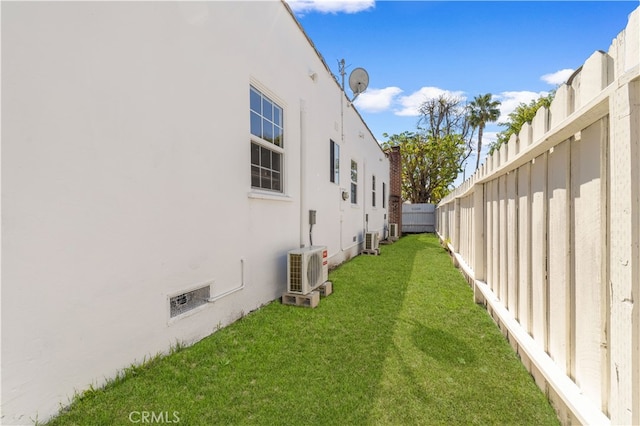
point(278, 365)
point(443, 346)
point(394, 344)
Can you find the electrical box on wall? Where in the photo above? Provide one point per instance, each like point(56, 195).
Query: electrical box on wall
point(312, 217)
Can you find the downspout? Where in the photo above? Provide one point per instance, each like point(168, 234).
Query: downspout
point(342, 95)
point(303, 114)
point(365, 222)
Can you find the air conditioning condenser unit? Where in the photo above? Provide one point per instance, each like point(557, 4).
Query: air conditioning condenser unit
point(307, 269)
point(371, 242)
point(394, 231)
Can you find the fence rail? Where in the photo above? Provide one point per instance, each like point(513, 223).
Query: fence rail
point(548, 233)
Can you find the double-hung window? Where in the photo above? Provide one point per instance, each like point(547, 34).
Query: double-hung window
point(267, 143)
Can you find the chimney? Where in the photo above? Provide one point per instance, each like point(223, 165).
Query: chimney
point(395, 187)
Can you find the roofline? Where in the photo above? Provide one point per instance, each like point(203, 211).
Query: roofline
point(349, 103)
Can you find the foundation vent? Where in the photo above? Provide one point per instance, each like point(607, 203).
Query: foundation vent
point(188, 301)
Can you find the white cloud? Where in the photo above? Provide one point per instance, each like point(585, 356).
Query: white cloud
point(510, 100)
point(557, 77)
point(377, 100)
point(411, 104)
point(330, 6)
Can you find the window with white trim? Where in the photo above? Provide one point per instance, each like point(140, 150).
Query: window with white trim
point(384, 195)
point(373, 191)
point(354, 182)
point(334, 162)
point(267, 143)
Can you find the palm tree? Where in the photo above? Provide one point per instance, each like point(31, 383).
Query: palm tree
point(482, 110)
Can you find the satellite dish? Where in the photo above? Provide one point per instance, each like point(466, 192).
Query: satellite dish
point(358, 81)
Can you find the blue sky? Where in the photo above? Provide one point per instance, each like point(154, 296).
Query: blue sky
point(412, 50)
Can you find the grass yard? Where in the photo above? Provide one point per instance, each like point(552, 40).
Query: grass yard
point(399, 342)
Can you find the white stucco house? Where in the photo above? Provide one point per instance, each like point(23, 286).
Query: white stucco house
point(152, 149)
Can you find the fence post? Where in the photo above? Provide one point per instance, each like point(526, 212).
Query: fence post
point(623, 244)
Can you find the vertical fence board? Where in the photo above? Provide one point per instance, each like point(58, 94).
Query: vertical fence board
point(512, 243)
point(488, 220)
point(524, 246)
point(479, 232)
point(559, 252)
point(538, 249)
point(495, 254)
point(586, 193)
point(504, 253)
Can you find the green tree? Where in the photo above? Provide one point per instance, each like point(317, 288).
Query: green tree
point(524, 113)
point(482, 110)
point(433, 156)
point(429, 165)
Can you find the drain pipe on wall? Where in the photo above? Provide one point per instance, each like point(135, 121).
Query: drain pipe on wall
point(233, 290)
point(365, 222)
point(303, 117)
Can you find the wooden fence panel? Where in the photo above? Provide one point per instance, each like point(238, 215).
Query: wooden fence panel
point(549, 229)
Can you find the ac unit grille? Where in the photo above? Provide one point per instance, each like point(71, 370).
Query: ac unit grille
point(295, 271)
point(371, 241)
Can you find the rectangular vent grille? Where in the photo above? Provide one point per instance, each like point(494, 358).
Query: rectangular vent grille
point(295, 265)
point(185, 302)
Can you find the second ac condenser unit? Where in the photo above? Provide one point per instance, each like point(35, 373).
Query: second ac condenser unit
point(371, 241)
point(393, 231)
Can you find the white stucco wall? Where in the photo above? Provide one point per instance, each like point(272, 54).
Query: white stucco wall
point(126, 180)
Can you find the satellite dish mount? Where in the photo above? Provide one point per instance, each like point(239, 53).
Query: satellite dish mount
point(358, 80)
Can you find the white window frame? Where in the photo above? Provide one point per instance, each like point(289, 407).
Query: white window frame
point(373, 191)
point(265, 144)
point(354, 182)
point(334, 162)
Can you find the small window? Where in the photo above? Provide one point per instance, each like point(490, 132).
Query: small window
point(334, 162)
point(384, 195)
point(373, 191)
point(267, 141)
point(354, 182)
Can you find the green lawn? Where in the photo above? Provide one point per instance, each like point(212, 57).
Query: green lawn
point(399, 342)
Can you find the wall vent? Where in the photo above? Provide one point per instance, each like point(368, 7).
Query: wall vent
point(188, 301)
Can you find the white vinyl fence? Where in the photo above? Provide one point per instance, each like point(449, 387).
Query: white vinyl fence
point(418, 218)
point(548, 233)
